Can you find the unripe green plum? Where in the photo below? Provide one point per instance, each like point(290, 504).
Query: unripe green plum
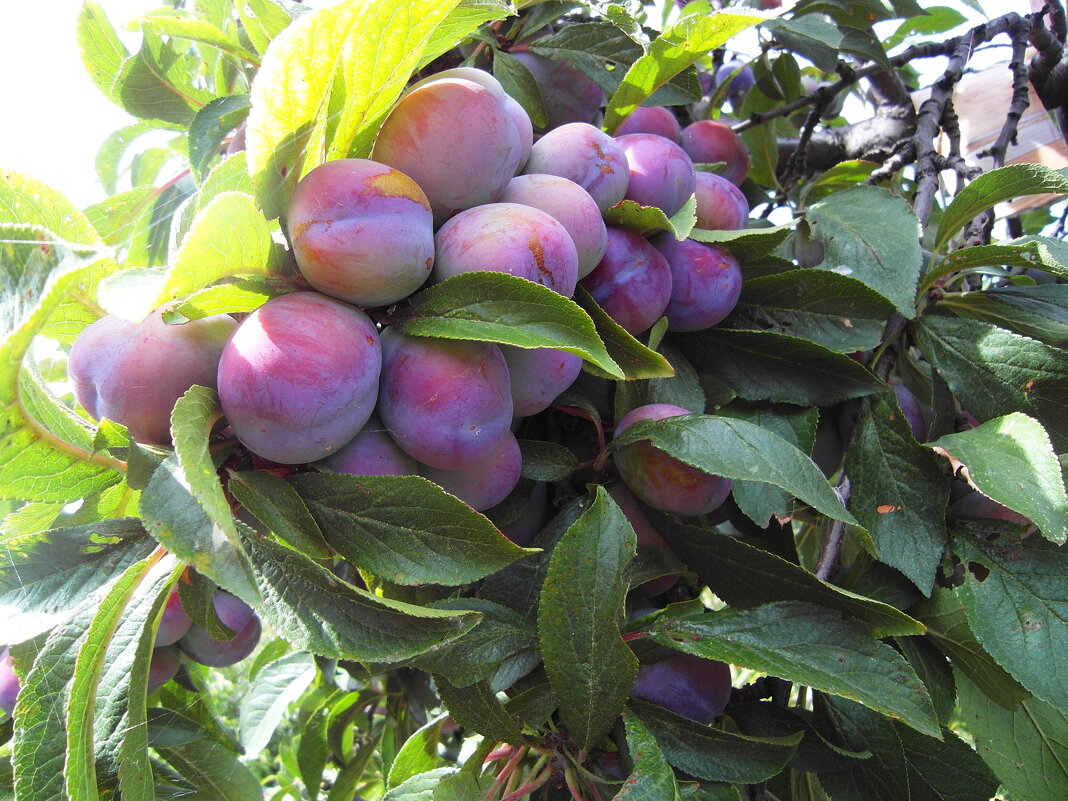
point(237, 616)
point(708, 141)
point(721, 206)
point(651, 120)
point(361, 231)
point(569, 204)
point(706, 282)
point(133, 373)
point(446, 402)
point(508, 238)
point(632, 283)
point(299, 378)
point(661, 174)
point(372, 452)
point(484, 483)
point(687, 685)
point(456, 140)
point(586, 155)
point(660, 480)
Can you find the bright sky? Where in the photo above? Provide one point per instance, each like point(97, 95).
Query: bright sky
point(55, 116)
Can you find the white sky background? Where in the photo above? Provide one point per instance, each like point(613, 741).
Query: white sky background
point(55, 117)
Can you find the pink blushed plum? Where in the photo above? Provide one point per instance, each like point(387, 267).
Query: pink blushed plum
point(586, 155)
point(486, 482)
point(651, 120)
point(372, 452)
point(538, 375)
point(706, 282)
point(708, 141)
point(632, 283)
point(661, 174)
point(721, 206)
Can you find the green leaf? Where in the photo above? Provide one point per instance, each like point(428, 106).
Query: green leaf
point(938, 19)
point(266, 702)
point(763, 365)
point(547, 461)
point(422, 787)
point(47, 575)
point(1010, 459)
point(216, 773)
point(176, 518)
point(746, 244)
point(262, 21)
point(900, 492)
point(835, 311)
point(652, 778)
point(635, 360)
point(277, 505)
point(156, 83)
point(228, 237)
point(238, 298)
point(27, 201)
point(1029, 253)
point(103, 52)
point(1016, 600)
point(872, 235)
point(669, 54)
point(714, 754)
point(353, 57)
point(1038, 312)
point(590, 667)
point(993, 187)
point(745, 577)
point(419, 753)
point(808, 645)
point(502, 308)
point(461, 22)
point(404, 529)
point(211, 125)
point(37, 274)
point(994, 372)
point(738, 449)
point(947, 627)
point(1025, 748)
point(518, 81)
point(319, 612)
point(810, 35)
point(648, 220)
point(184, 25)
point(476, 707)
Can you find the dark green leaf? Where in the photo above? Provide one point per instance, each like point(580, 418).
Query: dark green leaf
point(476, 707)
point(810, 35)
point(808, 645)
point(747, 244)
point(211, 125)
point(277, 505)
point(518, 81)
point(546, 461)
point(582, 601)
point(216, 773)
point(871, 235)
point(1038, 312)
point(636, 360)
point(899, 493)
point(498, 307)
point(648, 220)
point(404, 529)
point(762, 365)
point(652, 778)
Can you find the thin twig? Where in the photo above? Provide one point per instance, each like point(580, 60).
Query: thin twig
point(832, 543)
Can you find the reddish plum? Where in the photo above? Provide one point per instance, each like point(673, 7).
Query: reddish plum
point(300, 377)
point(456, 140)
point(446, 402)
point(708, 141)
point(661, 174)
point(632, 283)
point(586, 155)
point(133, 373)
point(538, 376)
point(174, 622)
point(372, 452)
point(706, 282)
point(484, 483)
point(660, 480)
point(568, 203)
point(508, 238)
point(361, 231)
point(651, 120)
point(721, 206)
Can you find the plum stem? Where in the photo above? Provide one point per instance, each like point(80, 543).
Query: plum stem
point(832, 543)
point(541, 776)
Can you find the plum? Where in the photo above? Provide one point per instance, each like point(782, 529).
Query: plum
point(570, 205)
point(508, 238)
point(708, 141)
point(586, 155)
point(484, 483)
point(632, 283)
point(661, 173)
point(456, 140)
point(911, 408)
point(740, 84)
point(538, 375)
point(446, 402)
point(646, 534)
point(299, 378)
point(164, 666)
point(687, 685)
point(133, 373)
point(721, 206)
point(237, 616)
point(174, 622)
point(977, 506)
point(372, 452)
point(706, 282)
point(568, 94)
point(361, 231)
point(660, 480)
point(9, 682)
point(651, 120)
